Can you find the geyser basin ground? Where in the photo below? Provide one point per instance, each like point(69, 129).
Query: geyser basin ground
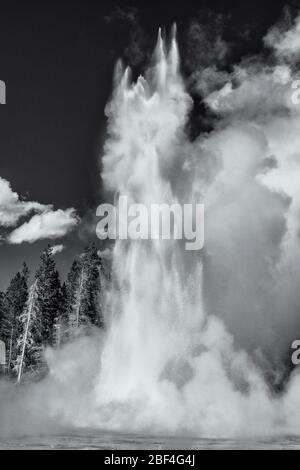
point(97, 440)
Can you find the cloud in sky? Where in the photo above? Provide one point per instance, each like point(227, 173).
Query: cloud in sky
point(48, 225)
point(12, 208)
point(45, 222)
point(57, 249)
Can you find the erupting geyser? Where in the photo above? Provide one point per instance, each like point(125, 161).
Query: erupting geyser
point(168, 366)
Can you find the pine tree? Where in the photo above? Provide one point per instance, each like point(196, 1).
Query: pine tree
point(63, 302)
point(76, 316)
point(61, 321)
point(14, 302)
point(92, 266)
point(2, 298)
point(48, 295)
point(83, 288)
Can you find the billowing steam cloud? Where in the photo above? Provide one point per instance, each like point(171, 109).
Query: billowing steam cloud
point(169, 364)
point(196, 338)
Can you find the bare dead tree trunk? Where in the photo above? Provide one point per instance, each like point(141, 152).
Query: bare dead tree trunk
point(10, 348)
point(79, 299)
point(29, 315)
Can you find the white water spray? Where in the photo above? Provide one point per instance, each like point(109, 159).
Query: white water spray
point(167, 366)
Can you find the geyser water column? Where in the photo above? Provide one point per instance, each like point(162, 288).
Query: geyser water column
point(165, 367)
point(156, 309)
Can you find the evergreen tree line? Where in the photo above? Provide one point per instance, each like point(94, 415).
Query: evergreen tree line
point(49, 312)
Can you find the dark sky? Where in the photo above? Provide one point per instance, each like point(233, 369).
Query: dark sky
point(57, 60)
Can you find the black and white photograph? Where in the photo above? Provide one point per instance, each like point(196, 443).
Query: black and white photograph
point(150, 228)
